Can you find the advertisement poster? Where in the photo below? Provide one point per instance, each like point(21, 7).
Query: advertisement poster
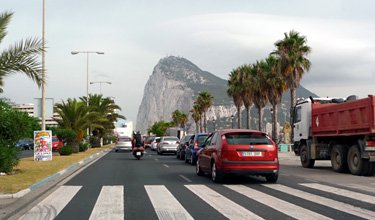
point(42, 145)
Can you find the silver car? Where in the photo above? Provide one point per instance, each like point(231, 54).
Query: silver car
point(123, 143)
point(154, 143)
point(168, 144)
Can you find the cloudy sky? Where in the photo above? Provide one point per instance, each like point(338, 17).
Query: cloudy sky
point(216, 35)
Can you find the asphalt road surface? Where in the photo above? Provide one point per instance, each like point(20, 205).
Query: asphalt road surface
point(162, 187)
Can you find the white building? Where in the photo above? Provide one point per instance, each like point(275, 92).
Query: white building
point(29, 109)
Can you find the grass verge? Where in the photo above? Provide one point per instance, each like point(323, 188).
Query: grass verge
point(29, 172)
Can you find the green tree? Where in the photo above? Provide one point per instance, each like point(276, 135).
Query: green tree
point(14, 125)
point(107, 109)
point(179, 118)
point(76, 116)
point(234, 90)
point(260, 89)
point(205, 100)
point(21, 57)
point(276, 85)
point(196, 115)
point(159, 128)
point(292, 52)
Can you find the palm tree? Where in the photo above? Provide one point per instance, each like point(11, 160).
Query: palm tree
point(21, 57)
point(246, 90)
point(205, 100)
point(75, 115)
point(276, 87)
point(106, 108)
point(196, 115)
point(260, 88)
point(235, 91)
point(292, 52)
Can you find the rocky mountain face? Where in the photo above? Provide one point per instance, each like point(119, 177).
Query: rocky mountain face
point(174, 84)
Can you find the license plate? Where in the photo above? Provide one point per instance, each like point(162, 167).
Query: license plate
point(251, 153)
point(138, 153)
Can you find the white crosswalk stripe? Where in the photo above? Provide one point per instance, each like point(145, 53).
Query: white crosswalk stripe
point(341, 192)
point(367, 214)
point(277, 204)
point(52, 205)
point(222, 204)
point(367, 188)
point(110, 204)
point(165, 204)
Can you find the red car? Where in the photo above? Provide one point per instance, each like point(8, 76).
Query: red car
point(56, 144)
point(238, 151)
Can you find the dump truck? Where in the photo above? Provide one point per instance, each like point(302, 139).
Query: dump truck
point(336, 129)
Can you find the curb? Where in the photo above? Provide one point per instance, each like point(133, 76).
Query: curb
point(55, 176)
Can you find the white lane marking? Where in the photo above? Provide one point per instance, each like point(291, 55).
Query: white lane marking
point(185, 178)
point(165, 204)
point(275, 203)
point(110, 203)
point(52, 205)
point(342, 192)
point(343, 207)
point(156, 159)
point(166, 165)
point(222, 204)
point(360, 186)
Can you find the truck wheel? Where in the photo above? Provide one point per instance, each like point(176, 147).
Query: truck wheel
point(305, 161)
point(357, 165)
point(339, 158)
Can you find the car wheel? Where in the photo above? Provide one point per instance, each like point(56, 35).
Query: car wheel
point(192, 161)
point(272, 178)
point(186, 159)
point(198, 170)
point(182, 156)
point(339, 158)
point(305, 161)
point(216, 175)
point(157, 151)
point(178, 155)
point(116, 150)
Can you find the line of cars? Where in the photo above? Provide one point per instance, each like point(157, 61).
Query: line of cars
point(231, 151)
point(28, 144)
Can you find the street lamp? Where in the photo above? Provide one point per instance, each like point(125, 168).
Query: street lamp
point(100, 83)
point(87, 68)
point(232, 117)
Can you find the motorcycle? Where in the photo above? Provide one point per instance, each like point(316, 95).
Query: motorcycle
point(138, 152)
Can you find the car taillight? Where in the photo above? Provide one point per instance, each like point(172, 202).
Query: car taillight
point(370, 143)
point(196, 145)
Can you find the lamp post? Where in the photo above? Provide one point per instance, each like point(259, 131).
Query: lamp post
point(43, 69)
point(87, 74)
point(87, 68)
point(100, 83)
point(232, 117)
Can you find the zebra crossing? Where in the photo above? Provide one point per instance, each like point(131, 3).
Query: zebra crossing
point(110, 202)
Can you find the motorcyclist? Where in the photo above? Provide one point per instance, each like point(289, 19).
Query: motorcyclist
point(138, 139)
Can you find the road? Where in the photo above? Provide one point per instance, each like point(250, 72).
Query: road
point(162, 187)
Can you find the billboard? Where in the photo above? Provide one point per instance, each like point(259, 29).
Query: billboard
point(38, 107)
point(42, 145)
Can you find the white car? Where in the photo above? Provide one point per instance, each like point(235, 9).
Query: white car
point(154, 143)
point(168, 144)
point(123, 143)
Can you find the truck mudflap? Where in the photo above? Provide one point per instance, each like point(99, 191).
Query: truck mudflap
point(368, 149)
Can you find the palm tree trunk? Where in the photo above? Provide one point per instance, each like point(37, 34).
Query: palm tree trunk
point(239, 116)
point(248, 117)
point(205, 122)
point(293, 100)
point(275, 132)
point(201, 125)
point(197, 126)
point(260, 122)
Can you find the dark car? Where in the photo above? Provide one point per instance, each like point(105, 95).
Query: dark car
point(182, 146)
point(239, 151)
point(25, 144)
point(196, 142)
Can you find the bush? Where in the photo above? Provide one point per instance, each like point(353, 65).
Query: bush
point(66, 150)
point(95, 141)
point(83, 147)
point(8, 158)
point(109, 139)
point(68, 136)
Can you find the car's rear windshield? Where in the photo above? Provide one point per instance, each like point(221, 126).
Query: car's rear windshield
point(124, 139)
point(201, 139)
point(247, 138)
point(170, 139)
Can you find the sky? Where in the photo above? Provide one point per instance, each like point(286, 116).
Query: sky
point(216, 35)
